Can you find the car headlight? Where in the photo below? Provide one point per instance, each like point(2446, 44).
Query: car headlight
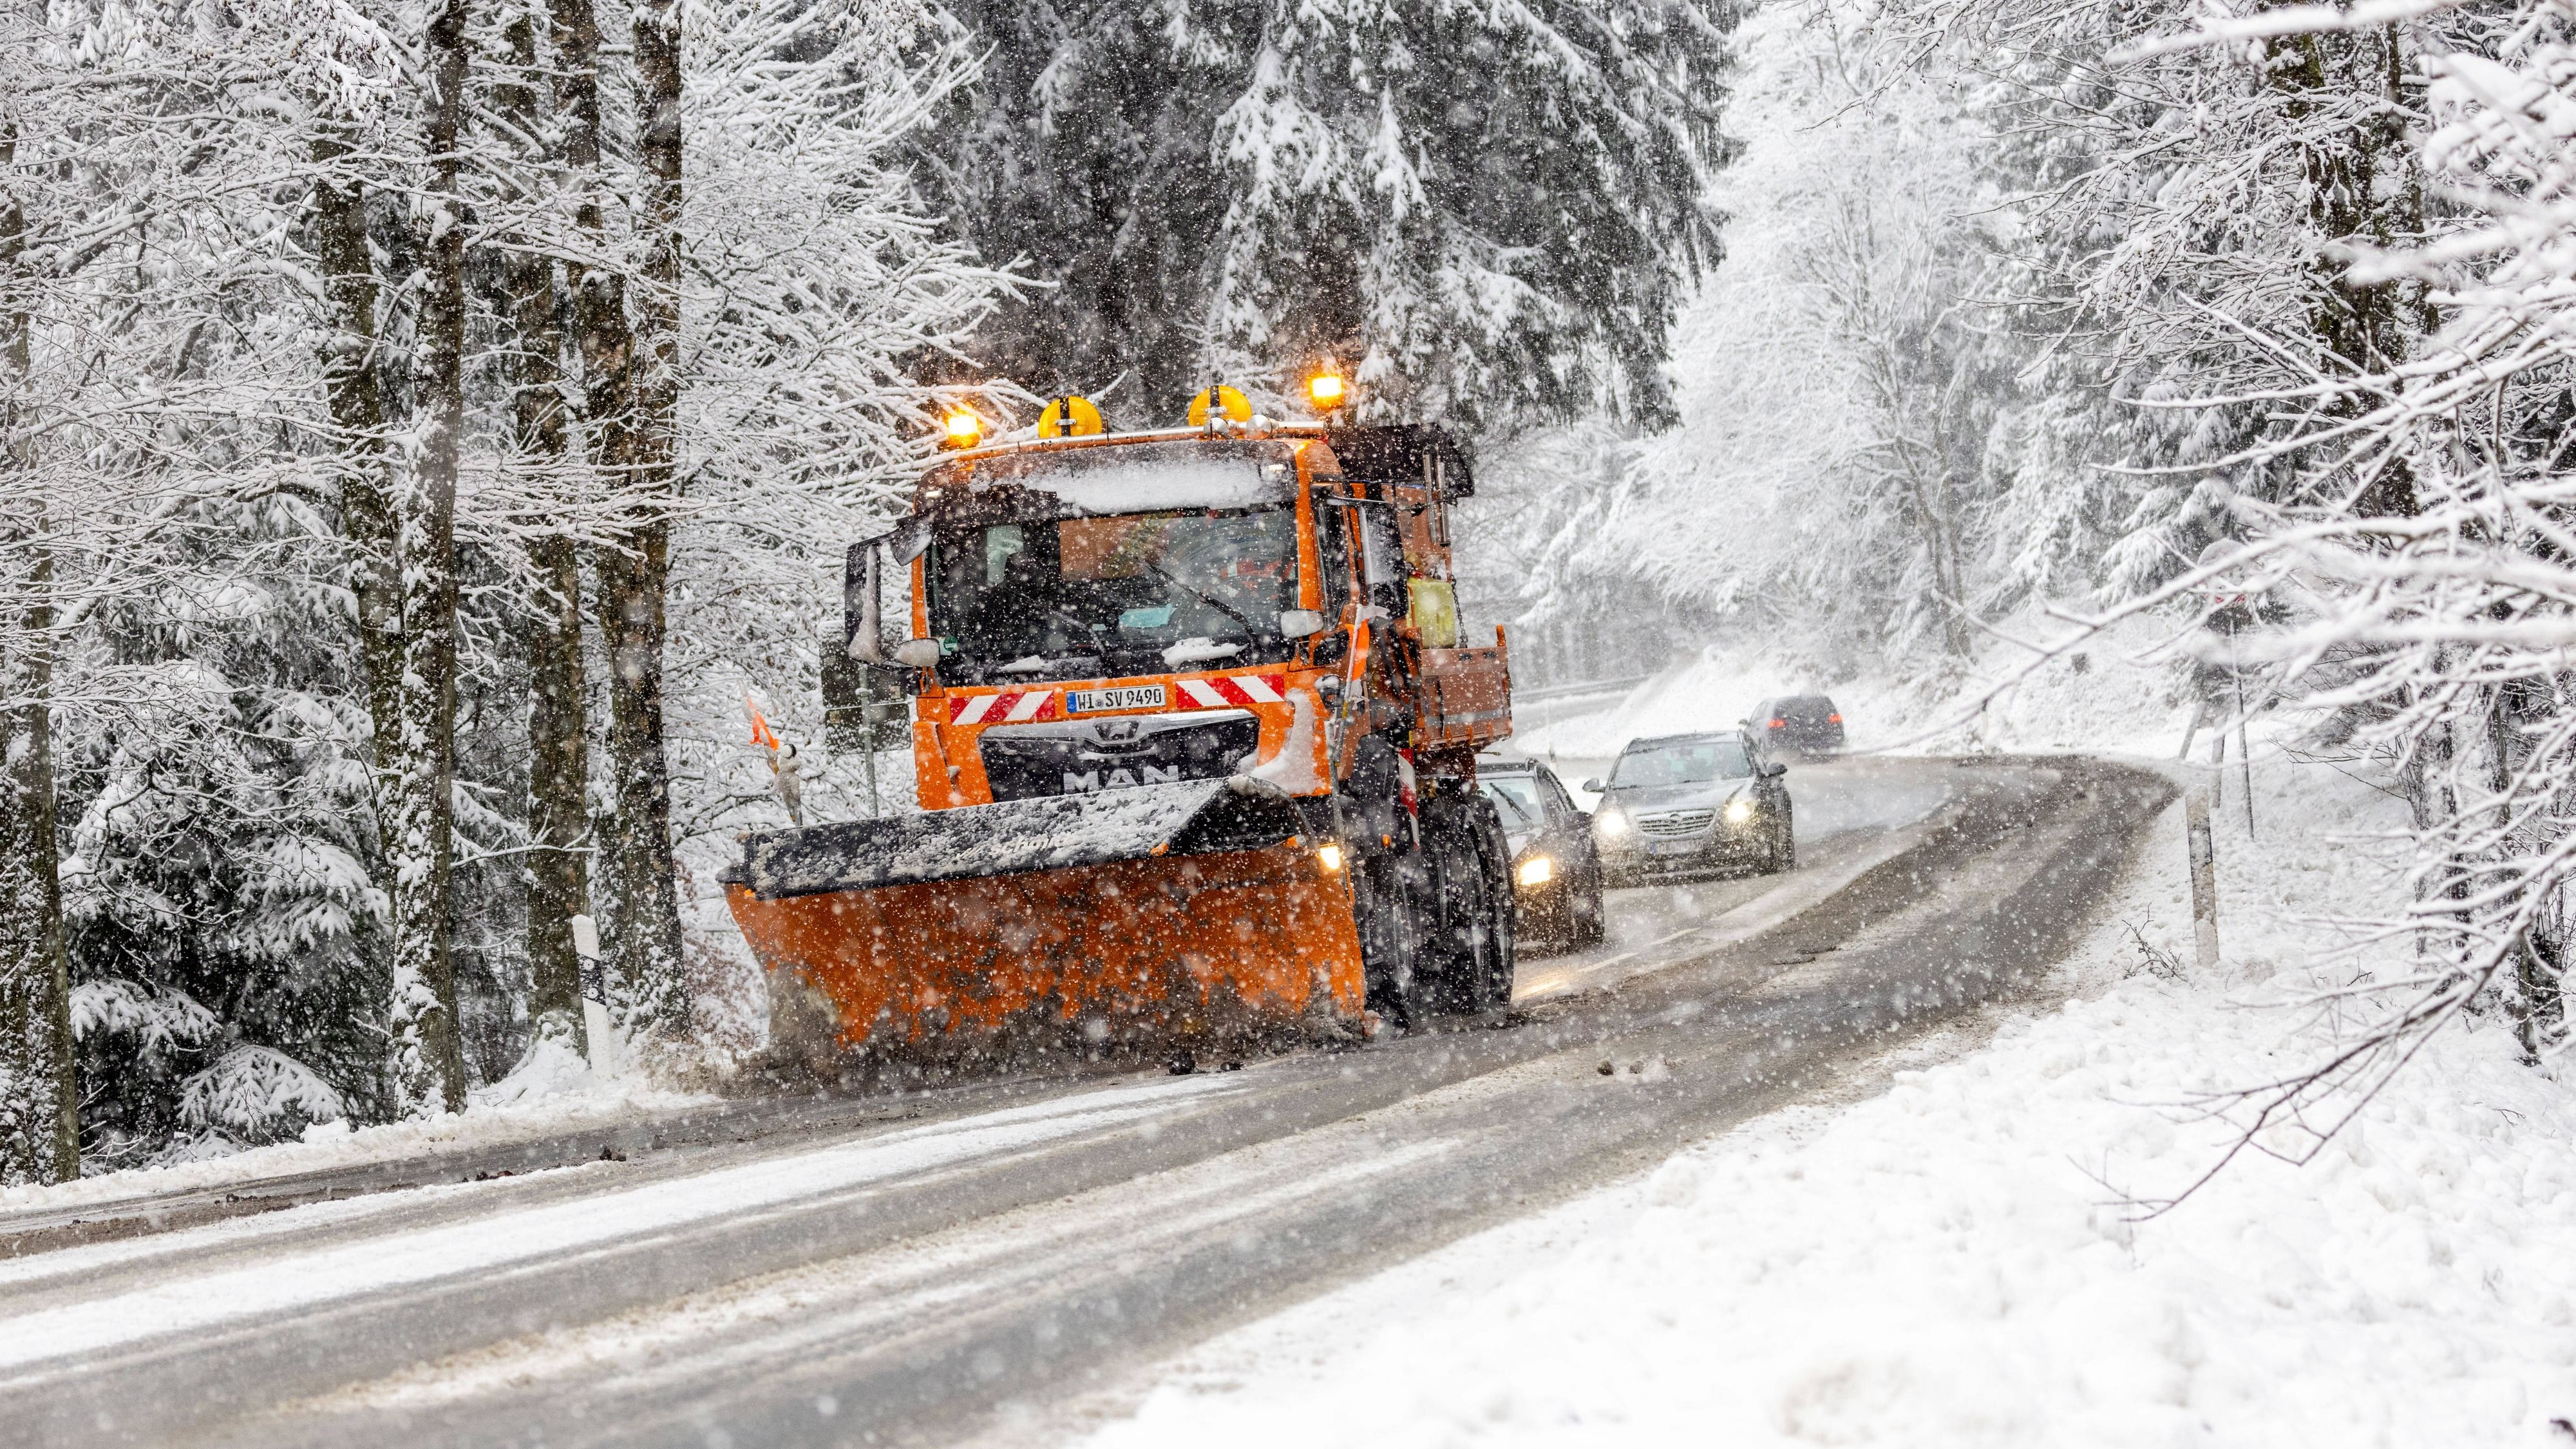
point(1536, 870)
point(1738, 810)
point(1610, 823)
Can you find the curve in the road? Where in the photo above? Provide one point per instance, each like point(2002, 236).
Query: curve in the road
point(905, 1282)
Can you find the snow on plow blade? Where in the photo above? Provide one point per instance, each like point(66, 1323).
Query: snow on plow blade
point(1168, 918)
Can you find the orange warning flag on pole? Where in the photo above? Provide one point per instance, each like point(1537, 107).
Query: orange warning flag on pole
point(760, 734)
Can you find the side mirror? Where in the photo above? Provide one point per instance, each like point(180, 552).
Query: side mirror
point(1774, 770)
point(918, 653)
point(1299, 623)
point(866, 624)
point(1593, 786)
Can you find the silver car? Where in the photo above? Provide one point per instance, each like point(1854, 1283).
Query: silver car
point(1686, 805)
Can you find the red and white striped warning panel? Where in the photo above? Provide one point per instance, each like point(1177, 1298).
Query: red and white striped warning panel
point(1012, 706)
point(1022, 706)
point(1233, 689)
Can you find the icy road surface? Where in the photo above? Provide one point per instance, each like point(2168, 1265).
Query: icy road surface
point(844, 1279)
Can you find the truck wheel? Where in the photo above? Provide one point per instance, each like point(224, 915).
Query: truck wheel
point(1472, 922)
point(1502, 954)
point(1502, 912)
point(1393, 962)
point(1479, 976)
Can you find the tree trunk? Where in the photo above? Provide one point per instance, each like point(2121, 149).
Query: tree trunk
point(367, 524)
point(39, 1106)
point(39, 1101)
point(643, 919)
point(558, 756)
point(428, 1054)
point(632, 577)
point(358, 417)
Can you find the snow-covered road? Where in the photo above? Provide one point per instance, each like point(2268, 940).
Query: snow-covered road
point(919, 1279)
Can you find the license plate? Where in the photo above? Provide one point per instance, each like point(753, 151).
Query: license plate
point(1125, 696)
point(1672, 847)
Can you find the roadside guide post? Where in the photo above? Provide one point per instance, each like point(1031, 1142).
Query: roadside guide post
point(2244, 745)
point(2204, 875)
point(600, 1027)
point(2227, 604)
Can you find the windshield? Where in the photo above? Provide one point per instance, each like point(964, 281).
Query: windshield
point(1138, 593)
point(1516, 796)
point(1682, 762)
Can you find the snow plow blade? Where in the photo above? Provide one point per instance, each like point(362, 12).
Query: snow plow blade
point(1160, 921)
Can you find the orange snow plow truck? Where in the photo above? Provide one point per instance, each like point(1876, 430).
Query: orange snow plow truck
point(1194, 733)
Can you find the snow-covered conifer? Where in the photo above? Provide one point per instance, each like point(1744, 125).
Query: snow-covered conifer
point(1491, 213)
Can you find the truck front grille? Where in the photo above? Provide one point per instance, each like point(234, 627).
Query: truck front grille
point(1078, 757)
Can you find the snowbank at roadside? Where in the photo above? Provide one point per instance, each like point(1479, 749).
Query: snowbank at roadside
point(1953, 1262)
point(553, 1091)
point(2118, 693)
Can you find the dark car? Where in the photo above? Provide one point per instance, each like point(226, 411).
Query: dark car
point(1692, 805)
point(1556, 875)
point(1804, 724)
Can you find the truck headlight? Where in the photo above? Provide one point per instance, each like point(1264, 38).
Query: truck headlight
point(1535, 870)
point(1738, 810)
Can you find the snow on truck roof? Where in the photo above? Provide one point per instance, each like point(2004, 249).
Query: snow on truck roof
point(1375, 452)
point(1143, 477)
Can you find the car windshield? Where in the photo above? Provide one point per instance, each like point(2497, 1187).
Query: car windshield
point(1516, 796)
point(1682, 762)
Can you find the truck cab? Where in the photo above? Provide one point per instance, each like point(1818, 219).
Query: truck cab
point(1119, 611)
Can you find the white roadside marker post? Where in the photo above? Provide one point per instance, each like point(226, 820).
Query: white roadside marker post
point(605, 1056)
point(2204, 875)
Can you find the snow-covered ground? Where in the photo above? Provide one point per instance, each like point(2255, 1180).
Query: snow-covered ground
point(2115, 694)
point(551, 1092)
point(1961, 1259)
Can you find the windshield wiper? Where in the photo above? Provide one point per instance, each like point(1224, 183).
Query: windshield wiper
point(1219, 605)
point(1200, 650)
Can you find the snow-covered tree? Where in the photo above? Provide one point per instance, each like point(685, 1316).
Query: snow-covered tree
point(218, 871)
point(294, 277)
point(2413, 566)
point(1492, 213)
point(1846, 384)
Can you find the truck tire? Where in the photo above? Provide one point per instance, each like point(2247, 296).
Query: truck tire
point(1502, 912)
point(1473, 922)
point(1389, 897)
point(1501, 958)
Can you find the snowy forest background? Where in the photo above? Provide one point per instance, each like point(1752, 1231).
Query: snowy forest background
point(423, 423)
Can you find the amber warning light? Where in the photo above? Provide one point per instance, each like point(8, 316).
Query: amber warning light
point(1326, 391)
point(964, 428)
